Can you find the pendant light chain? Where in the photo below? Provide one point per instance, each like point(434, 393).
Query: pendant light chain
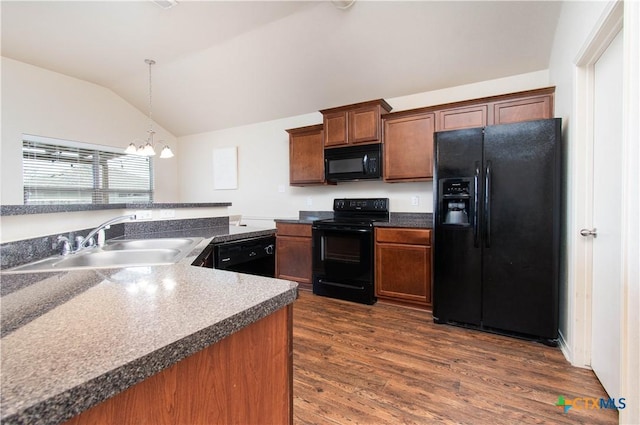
point(150, 62)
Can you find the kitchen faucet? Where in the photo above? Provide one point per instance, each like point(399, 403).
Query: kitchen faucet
point(83, 244)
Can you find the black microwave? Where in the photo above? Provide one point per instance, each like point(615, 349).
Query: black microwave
point(353, 163)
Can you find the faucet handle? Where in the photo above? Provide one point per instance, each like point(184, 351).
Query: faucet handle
point(82, 242)
point(64, 244)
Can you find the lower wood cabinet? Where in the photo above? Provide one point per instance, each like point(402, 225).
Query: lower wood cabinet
point(403, 266)
point(245, 378)
point(293, 253)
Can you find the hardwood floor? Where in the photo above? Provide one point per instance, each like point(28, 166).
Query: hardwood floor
point(384, 364)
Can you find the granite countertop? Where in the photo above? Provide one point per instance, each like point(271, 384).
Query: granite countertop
point(410, 220)
point(241, 232)
point(57, 208)
point(78, 338)
point(396, 219)
point(294, 221)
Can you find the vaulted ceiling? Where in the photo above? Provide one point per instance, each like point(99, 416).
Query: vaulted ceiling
point(223, 64)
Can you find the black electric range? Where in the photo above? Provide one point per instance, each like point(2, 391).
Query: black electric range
point(343, 249)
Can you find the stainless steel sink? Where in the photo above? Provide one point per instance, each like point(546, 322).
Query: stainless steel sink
point(160, 243)
point(124, 253)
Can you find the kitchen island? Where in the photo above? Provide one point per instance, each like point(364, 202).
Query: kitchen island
point(159, 344)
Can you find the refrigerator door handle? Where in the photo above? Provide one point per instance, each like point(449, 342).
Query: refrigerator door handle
point(487, 205)
point(476, 202)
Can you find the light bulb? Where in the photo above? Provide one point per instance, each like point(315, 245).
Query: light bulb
point(166, 153)
point(131, 149)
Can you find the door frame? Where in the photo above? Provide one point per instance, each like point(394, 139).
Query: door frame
point(608, 27)
point(617, 16)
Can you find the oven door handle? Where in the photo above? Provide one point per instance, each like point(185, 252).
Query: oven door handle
point(339, 285)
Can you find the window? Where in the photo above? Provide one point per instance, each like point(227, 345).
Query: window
point(63, 172)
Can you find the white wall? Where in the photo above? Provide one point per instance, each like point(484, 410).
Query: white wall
point(263, 161)
point(44, 103)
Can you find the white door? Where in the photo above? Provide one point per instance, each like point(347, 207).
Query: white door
point(607, 218)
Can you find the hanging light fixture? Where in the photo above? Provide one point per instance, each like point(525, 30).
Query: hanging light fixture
point(148, 148)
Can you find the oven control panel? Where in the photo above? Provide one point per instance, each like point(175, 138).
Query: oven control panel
point(361, 204)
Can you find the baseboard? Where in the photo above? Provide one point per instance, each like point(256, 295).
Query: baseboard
point(564, 347)
point(568, 353)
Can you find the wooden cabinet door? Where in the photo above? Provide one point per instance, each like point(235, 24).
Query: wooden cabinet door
point(526, 109)
point(356, 123)
point(306, 156)
point(293, 252)
point(403, 265)
point(408, 147)
point(364, 125)
point(463, 117)
point(403, 272)
point(293, 258)
point(335, 129)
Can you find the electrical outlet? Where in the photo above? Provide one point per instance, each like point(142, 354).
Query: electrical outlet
point(144, 215)
point(309, 201)
point(415, 200)
point(280, 188)
point(167, 213)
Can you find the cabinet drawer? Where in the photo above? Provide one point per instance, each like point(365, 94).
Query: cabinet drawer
point(404, 236)
point(293, 229)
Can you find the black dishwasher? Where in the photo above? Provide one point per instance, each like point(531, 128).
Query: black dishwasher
point(254, 256)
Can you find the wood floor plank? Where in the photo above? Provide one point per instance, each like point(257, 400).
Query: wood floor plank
point(386, 364)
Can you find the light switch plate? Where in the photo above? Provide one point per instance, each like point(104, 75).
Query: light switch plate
point(144, 215)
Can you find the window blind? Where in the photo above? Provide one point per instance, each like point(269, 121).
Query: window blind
point(55, 172)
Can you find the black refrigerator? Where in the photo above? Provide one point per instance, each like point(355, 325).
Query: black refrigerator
point(497, 211)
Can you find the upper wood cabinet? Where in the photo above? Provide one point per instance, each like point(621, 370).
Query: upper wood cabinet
point(513, 107)
point(522, 109)
point(408, 146)
point(504, 109)
point(407, 135)
point(462, 117)
point(306, 155)
point(352, 124)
